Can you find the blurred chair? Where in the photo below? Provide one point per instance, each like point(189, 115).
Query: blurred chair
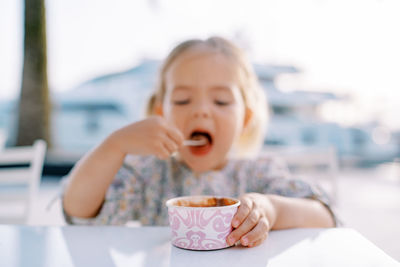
point(20, 173)
point(316, 165)
point(2, 139)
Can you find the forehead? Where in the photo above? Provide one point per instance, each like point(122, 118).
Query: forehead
point(202, 67)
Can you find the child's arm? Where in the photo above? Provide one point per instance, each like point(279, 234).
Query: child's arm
point(93, 174)
point(90, 179)
point(259, 213)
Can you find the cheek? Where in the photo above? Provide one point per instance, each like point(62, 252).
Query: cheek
point(176, 116)
point(231, 122)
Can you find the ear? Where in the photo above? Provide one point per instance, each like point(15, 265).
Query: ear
point(158, 110)
point(247, 117)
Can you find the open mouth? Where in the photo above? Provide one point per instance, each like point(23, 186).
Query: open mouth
point(200, 136)
point(204, 149)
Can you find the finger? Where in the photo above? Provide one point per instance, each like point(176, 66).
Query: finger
point(175, 135)
point(162, 152)
point(249, 223)
point(258, 242)
point(170, 145)
point(259, 232)
point(243, 211)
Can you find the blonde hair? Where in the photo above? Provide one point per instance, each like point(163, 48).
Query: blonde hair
point(252, 137)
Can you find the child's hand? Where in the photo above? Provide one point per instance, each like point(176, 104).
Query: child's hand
point(152, 136)
point(253, 220)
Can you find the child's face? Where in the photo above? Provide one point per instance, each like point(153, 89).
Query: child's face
point(203, 101)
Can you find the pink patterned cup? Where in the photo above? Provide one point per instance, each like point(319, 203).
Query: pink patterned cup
point(201, 222)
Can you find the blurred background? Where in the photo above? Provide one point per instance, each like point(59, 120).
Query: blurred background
point(329, 68)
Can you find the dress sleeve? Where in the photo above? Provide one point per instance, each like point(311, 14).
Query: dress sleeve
point(272, 177)
point(122, 202)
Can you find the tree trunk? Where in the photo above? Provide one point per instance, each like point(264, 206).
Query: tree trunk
point(34, 104)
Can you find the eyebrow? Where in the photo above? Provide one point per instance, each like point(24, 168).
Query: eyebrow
point(180, 87)
point(222, 87)
point(217, 87)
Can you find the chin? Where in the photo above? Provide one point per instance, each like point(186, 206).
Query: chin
point(199, 166)
point(196, 167)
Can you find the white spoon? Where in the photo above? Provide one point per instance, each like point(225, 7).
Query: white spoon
point(200, 142)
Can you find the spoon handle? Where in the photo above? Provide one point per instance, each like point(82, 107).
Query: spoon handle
point(194, 142)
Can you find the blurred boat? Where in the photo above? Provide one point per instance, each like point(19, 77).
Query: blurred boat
point(86, 114)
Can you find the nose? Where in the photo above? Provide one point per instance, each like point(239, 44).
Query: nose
point(201, 110)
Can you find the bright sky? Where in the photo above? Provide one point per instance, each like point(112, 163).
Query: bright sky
point(344, 46)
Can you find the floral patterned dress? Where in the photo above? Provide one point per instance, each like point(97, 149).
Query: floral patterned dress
point(143, 185)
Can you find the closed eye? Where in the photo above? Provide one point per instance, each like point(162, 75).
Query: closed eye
point(221, 103)
point(181, 102)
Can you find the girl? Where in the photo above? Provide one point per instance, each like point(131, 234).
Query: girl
point(207, 93)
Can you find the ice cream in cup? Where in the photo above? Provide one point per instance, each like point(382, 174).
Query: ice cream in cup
point(201, 222)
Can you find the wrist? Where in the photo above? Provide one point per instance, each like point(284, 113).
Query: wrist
point(274, 210)
point(287, 212)
point(114, 144)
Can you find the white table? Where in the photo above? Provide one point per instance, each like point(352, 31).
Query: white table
point(150, 246)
